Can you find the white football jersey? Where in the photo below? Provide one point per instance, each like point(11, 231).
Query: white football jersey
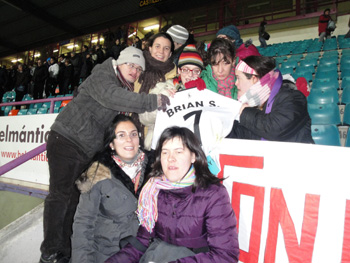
point(208, 114)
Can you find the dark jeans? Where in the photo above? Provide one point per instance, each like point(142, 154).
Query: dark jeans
point(66, 163)
point(38, 90)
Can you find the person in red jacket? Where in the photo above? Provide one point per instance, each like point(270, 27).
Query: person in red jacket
point(322, 25)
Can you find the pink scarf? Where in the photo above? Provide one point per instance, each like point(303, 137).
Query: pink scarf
point(225, 86)
point(147, 210)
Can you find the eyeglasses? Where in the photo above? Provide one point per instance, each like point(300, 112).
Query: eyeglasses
point(122, 136)
point(194, 71)
point(133, 66)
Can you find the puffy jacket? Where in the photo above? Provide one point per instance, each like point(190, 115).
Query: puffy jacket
point(288, 121)
point(203, 218)
point(106, 211)
point(101, 97)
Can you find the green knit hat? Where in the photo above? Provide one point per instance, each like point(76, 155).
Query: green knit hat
point(190, 56)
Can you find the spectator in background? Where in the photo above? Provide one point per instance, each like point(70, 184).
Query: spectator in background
point(185, 213)
point(86, 67)
point(39, 78)
point(243, 50)
point(77, 135)
point(68, 77)
point(323, 32)
point(61, 63)
point(3, 80)
point(52, 81)
point(77, 63)
point(137, 42)
point(180, 35)
point(100, 55)
point(116, 49)
point(283, 118)
point(119, 174)
point(263, 35)
point(21, 80)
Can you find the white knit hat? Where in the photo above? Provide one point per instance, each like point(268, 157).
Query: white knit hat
point(178, 33)
point(132, 55)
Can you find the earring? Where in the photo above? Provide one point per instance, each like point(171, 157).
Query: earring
point(112, 148)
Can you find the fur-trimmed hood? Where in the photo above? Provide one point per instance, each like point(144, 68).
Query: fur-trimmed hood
point(96, 173)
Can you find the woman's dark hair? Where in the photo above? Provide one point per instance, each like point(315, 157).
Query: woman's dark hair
point(221, 46)
point(204, 177)
point(109, 134)
point(327, 9)
point(104, 155)
point(161, 34)
point(262, 65)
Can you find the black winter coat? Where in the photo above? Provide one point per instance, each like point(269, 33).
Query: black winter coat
point(288, 121)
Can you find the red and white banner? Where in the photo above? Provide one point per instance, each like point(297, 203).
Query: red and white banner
point(292, 200)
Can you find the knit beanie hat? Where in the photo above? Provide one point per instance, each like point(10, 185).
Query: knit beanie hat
point(132, 55)
point(232, 32)
point(303, 86)
point(178, 33)
point(190, 56)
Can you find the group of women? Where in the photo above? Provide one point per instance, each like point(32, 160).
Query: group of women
point(183, 210)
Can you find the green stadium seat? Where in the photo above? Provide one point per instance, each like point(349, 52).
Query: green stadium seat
point(22, 112)
point(345, 83)
point(323, 96)
point(325, 135)
point(32, 111)
point(325, 83)
point(42, 111)
point(324, 114)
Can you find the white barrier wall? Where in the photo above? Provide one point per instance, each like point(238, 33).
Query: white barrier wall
point(20, 134)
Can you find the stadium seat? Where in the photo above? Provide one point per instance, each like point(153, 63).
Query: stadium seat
point(42, 111)
point(345, 52)
point(330, 44)
point(305, 74)
point(285, 71)
point(302, 69)
point(323, 96)
point(27, 97)
point(297, 57)
point(37, 105)
point(329, 61)
point(22, 112)
point(324, 114)
point(64, 103)
point(345, 67)
point(345, 98)
point(345, 83)
point(46, 105)
point(325, 135)
point(13, 112)
point(333, 53)
point(326, 75)
point(345, 74)
point(325, 83)
point(312, 55)
point(290, 64)
point(32, 111)
point(346, 117)
point(7, 109)
point(307, 63)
